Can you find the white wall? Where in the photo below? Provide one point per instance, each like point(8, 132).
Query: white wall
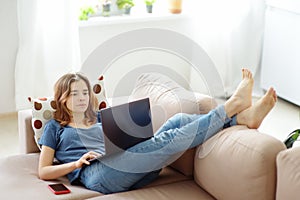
point(93, 36)
point(126, 68)
point(8, 50)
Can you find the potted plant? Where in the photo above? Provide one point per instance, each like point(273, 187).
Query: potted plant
point(175, 6)
point(106, 8)
point(86, 13)
point(149, 5)
point(125, 5)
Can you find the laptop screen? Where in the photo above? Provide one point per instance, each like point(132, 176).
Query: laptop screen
point(126, 125)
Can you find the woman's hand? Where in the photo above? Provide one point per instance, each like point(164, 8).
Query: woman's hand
point(84, 160)
point(47, 171)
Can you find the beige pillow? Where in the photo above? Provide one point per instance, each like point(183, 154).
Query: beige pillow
point(168, 98)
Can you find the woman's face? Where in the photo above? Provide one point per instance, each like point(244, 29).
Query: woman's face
point(78, 99)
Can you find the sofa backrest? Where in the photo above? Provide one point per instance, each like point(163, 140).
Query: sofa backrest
point(26, 134)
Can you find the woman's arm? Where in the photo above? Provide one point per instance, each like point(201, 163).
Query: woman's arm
point(47, 171)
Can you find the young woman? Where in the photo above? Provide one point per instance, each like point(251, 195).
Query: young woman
point(75, 136)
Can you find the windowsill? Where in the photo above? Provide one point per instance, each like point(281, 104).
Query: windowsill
point(133, 18)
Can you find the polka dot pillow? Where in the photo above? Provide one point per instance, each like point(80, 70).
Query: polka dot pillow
point(43, 108)
point(99, 92)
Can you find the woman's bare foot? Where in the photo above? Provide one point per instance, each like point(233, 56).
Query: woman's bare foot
point(253, 116)
point(242, 97)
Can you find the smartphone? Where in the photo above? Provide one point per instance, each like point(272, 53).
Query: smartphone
point(59, 188)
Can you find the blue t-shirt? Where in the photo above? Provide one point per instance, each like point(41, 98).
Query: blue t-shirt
point(71, 143)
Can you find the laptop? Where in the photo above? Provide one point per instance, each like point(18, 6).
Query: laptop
point(126, 125)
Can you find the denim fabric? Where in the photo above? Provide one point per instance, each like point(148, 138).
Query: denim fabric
point(140, 164)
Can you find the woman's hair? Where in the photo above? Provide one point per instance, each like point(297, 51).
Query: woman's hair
point(62, 90)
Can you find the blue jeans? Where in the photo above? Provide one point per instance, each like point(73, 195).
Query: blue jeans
point(141, 164)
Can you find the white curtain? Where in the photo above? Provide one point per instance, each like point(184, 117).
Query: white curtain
point(48, 47)
point(231, 32)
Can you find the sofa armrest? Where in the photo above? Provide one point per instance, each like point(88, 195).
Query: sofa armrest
point(288, 173)
point(238, 163)
point(26, 134)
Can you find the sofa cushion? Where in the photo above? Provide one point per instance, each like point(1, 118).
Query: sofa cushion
point(168, 175)
point(241, 160)
point(288, 173)
point(184, 163)
point(19, 174)
point(43, 107)
point(175, 191)
point(168, 98)
point(19, 180)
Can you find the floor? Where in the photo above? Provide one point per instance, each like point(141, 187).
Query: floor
point(284, 118)
point(9, 142)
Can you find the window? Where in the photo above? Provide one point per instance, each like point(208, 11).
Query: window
point(95, 8)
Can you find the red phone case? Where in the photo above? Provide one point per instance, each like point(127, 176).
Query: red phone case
point(59, 188)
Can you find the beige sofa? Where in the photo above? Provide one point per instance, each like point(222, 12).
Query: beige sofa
point(288, 174)
point(237, 163)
